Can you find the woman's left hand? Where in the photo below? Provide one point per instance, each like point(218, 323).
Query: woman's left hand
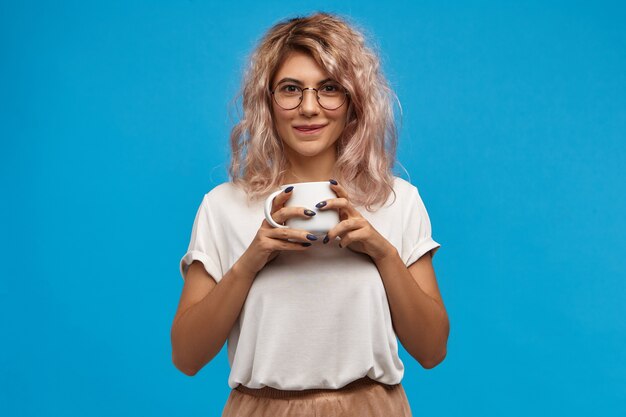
point(355, 231)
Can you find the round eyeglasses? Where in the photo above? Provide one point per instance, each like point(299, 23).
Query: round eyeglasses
point(329, 96)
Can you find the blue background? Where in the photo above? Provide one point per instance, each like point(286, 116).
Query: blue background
point(115, 122)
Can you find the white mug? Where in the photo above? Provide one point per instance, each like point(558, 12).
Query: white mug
point(307, 195)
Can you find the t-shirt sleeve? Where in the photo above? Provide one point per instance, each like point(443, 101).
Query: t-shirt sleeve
point(203, 244)
point(416, 237)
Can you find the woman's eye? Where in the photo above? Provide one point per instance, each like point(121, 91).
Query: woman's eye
point(289, 89)
point(330, 88)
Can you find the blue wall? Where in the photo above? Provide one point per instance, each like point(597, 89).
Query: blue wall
point(115, 122)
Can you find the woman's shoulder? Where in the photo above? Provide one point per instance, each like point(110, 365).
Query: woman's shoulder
point(402, 186)
point(224, 192)
point(402, 193)
point(227, 195)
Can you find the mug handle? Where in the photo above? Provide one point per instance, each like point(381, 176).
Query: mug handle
point(268, 210)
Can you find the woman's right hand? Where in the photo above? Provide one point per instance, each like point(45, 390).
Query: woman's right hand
point(270, 241)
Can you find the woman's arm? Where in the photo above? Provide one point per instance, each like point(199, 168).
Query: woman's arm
point(208, 310)
point(417, 310)
point(206, 313)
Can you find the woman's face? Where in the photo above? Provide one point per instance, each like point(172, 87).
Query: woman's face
point(309, 130)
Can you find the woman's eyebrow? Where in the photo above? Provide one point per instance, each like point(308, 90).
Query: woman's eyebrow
point(293, 80)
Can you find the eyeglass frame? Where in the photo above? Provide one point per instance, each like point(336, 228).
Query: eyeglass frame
point(317, 97)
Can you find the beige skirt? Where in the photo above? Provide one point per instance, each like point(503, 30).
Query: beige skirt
point(361, 398)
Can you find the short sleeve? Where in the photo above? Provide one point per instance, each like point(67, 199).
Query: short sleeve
point(203, 244)
point(416, 236)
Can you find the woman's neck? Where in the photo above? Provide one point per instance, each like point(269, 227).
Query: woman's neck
point(291, 178)
point(309, 170)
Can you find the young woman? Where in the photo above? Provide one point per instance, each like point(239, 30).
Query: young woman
point(312, 323)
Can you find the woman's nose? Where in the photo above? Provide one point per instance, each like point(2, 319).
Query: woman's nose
point(309, 105)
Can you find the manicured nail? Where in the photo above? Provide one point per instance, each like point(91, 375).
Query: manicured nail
point(326, 239)
point(309, 212)
point(320, 204)
point(333, 182)
point(288, 189)
point(306, 244)
point(311, 237)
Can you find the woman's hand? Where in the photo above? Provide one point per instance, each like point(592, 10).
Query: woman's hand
point(355, 231)
point(270, 241)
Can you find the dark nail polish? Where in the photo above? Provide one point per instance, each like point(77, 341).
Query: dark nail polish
point(333, 182)
point(320, 204)
point(326, 239)
point(289, 189)
point(306, 244)
point(311, 237)
point(340, 245)
point(309, 212)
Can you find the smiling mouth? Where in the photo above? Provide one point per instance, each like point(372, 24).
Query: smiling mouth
point(309, 130)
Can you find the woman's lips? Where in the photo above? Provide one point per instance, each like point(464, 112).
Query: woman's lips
point(309, 130)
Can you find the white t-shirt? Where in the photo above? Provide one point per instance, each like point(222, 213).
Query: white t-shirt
point(313, 319)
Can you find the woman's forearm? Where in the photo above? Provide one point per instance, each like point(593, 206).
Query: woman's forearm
point(200, 332)
point(420, 321)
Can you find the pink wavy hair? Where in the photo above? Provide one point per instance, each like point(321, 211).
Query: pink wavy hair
point(366, 149)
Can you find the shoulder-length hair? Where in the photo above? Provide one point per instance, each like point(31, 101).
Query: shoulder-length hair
point(366, 149)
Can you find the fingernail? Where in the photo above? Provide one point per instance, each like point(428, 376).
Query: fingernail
point(340, 245)
point(326, 239)
point(311, 237)
point(306, 244)
point(333, 182)
point(309, 212)
point(320, 204)
point(288, 189)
